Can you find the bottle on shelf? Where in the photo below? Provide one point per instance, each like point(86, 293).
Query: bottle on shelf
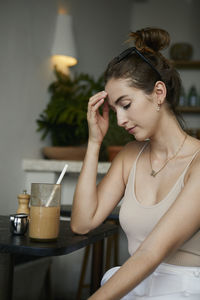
point(183, 98)
point(23, 200)
point(193, 99)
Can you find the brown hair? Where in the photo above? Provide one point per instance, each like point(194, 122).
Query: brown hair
point(149, 41)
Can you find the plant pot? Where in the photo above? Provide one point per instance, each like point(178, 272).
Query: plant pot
point(65, 153)
point(112, 151)
point(181, 51)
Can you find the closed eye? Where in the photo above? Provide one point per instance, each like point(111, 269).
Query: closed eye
point(127, 106)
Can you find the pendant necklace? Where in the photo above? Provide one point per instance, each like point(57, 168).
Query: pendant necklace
point(153, 172)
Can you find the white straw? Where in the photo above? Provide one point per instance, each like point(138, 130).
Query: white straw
point(62, 174)
point(58, 182)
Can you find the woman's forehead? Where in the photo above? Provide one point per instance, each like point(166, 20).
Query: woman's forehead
point(117, 88)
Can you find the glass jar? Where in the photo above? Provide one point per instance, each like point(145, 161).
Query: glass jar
point(44, 211)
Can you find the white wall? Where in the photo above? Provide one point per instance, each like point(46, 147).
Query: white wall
point(24, 77)
point(181, 19)
point(101, 26)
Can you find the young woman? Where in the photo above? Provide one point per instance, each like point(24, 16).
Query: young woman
point(157, 176)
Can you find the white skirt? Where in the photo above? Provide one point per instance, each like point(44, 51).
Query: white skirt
point(167, 282)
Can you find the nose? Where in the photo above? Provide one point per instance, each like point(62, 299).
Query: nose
point(121, 119)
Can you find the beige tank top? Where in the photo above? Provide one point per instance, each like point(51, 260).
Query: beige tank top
point(138, 220)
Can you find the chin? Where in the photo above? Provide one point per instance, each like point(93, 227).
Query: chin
point(141, 138)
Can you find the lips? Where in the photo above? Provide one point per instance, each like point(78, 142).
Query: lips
point(131, 130)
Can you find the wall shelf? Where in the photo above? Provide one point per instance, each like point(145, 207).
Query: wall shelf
point(190, 64)
point(189, 109)
point(56, 166)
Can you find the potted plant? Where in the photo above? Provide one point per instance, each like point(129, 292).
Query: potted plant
point(65, 117)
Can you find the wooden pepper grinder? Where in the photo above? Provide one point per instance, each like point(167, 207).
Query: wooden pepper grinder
point(23, 200)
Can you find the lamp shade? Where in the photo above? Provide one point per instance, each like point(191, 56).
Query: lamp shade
point(64, 44)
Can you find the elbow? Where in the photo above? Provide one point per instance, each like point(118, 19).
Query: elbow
point(78, 229)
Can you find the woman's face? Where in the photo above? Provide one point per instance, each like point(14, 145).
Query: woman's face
point(135, 110)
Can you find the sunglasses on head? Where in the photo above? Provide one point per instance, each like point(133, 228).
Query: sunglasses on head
point(129, 51)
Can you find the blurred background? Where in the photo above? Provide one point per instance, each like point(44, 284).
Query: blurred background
point(100, 27)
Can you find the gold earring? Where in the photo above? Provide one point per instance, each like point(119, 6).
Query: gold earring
point(158, 107)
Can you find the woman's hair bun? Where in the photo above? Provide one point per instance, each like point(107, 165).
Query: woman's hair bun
point(150, 39)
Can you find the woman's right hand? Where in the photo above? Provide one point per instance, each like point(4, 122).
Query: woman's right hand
point(97, 123)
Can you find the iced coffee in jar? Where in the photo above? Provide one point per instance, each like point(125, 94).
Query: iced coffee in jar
point(44, 211)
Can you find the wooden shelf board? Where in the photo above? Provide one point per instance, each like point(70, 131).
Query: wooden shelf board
point(189, 109)
point(190, 64)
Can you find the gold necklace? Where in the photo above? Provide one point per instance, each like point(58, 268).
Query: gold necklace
point(153, 172)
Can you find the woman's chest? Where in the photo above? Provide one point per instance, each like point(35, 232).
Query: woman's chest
point(150, 190)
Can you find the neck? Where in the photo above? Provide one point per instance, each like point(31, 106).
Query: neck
point(167, 139)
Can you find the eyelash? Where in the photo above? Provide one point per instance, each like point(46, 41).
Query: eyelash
point(127, 106)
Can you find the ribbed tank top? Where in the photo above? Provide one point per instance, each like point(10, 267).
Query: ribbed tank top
point(138, 220)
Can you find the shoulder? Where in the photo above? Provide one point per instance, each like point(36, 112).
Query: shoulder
point(125, 159)
point(132, 149)
point(194, 168)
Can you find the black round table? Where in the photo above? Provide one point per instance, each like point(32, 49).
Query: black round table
point(67, 242)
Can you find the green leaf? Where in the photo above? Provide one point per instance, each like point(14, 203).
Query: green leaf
point(65, 116)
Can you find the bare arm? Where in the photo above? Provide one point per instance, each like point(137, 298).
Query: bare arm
point(168, 235)
point(92, 203)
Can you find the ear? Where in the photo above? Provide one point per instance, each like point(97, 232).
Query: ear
point(160, 92)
